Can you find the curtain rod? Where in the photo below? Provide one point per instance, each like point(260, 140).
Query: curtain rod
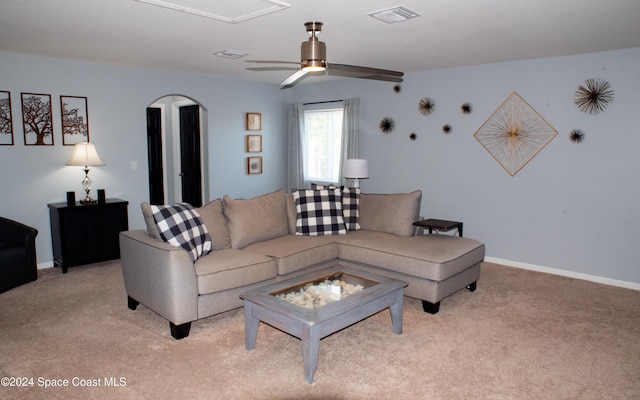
point(322, 102)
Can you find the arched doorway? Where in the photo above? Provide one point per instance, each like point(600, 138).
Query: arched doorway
point(176, 151)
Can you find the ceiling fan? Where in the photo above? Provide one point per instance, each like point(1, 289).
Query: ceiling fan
point(313, 61)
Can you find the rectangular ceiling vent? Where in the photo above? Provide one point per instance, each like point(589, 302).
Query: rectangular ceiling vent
point(216, 10)
point(231, 54)
point(394, 14)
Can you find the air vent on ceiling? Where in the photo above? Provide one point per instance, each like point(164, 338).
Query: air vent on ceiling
point(216, 10)
point(394, 14)
point(231, 54)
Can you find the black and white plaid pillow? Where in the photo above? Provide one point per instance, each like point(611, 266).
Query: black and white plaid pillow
point(351, 208)
point(350, 205)
point(181, 226)
point(319, 212)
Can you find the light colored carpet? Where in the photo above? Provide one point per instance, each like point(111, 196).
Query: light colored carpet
point(521, 335)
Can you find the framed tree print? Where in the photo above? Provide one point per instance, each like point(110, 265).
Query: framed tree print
point(75, 121)
point(254, 143)
point(254, 165)
point(37, 119)
point(6, 120)
point(254, 121)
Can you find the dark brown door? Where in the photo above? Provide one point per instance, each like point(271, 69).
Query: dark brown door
point(154, 155)
point(190, 159)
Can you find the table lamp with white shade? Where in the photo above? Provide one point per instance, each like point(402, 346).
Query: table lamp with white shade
point(356, 169)
point(85, 155)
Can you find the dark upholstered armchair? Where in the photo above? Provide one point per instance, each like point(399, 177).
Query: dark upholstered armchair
point(17, 254)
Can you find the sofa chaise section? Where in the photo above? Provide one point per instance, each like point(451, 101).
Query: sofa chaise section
point(436, 265)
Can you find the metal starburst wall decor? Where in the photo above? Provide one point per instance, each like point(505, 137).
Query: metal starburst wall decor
point(576, 135)
point(426, 106)
point(515, 133)
point(594, 96)
point(387, 124)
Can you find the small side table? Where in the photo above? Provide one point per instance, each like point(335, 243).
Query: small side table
point(439, 225)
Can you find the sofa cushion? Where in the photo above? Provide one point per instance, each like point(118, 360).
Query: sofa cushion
point(213, 218)
point(257, 219)
point(319, 212)
point(390, 213)
point(152, 229)
point(292, 215)
point(181, 226)
point(295, 252)
point(229, 268)
point(433, 257)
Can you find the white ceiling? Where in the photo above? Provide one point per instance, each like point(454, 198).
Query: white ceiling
point(448, 32)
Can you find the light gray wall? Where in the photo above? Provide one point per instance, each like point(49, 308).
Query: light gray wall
point(574, 207)
point(33, 176)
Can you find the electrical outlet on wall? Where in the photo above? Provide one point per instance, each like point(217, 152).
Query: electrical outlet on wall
point(134, 166)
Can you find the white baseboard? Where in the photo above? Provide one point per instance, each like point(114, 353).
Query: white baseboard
point(45, 265)
point(562, 272)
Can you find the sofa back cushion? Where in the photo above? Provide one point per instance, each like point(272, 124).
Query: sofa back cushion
point(292, 214)
point(391, 213)
point(213, 218)
point(152, 229)
point(257, 219)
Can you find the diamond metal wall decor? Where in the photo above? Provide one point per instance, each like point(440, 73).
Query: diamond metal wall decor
point(515, 133)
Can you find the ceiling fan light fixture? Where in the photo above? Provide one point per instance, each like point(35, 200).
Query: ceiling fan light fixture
point(313, 55)
point(315, 66)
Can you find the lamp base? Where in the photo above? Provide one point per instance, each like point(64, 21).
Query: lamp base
point(88, 199)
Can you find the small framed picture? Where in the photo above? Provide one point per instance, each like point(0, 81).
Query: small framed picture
point(6, 121)
point(254, 165)
point(75, 120)
point(254, 121)
point(254, 143)
point(37, 119)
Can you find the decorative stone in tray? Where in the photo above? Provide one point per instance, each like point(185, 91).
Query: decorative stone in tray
point(317, 294)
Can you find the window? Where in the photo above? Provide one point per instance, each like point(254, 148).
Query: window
point(322, 145)
point(321, 137)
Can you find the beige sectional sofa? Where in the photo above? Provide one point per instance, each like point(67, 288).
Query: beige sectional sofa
point(254, 242)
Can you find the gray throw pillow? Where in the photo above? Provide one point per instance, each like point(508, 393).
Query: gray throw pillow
point(257, 219)
point(391, 213)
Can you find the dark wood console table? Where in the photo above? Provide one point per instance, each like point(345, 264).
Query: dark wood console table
point(84, 234)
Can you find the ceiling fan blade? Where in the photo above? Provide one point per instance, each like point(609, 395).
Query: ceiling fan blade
point(293, 79)
point(382, 78)
point(348, 74)
point(356, 69)
point(273, 69)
